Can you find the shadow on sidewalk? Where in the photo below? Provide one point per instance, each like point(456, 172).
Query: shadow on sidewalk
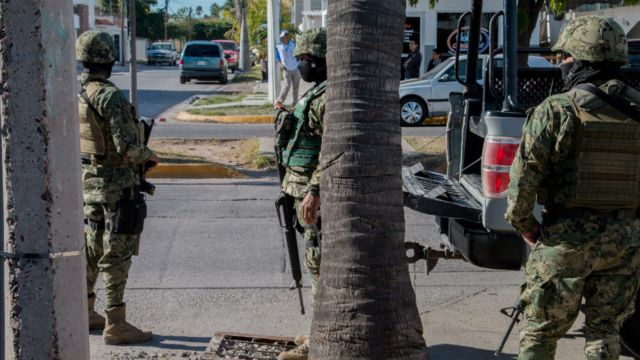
point(458, 352)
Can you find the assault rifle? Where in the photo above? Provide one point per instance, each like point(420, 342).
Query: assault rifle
point(286, 218)
point(147, 126)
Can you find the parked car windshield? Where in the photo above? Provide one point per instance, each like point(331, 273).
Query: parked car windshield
point(431, 73)
point(228, 45)
point(202, 50)
point(161, 47)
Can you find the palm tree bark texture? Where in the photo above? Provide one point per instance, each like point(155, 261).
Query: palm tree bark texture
point(365, 306)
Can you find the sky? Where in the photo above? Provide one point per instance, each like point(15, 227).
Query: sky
point(177, 4)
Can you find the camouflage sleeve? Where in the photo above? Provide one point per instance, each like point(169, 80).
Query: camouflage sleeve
point(316, 118)
point(126, 136)
point(547, 139)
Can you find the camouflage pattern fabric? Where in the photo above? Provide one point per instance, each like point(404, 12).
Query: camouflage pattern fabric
point(311, 253)
point(594, 39)
point(578, 258)
point(95, 47)
point(312, 42)
point(107, 253)
point(103, 183)
point(299, 182)
point(592, 257)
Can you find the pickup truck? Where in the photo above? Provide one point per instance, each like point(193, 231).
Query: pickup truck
point(483, 133)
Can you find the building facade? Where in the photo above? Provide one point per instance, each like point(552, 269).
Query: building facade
point(436, 28)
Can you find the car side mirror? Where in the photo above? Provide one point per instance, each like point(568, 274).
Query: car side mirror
point(227, 56)
point(445, 77)
point(148, 48)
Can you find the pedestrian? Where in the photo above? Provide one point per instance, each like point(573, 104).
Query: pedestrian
point(289, 65)
point(580, 158)
point(299, 153)
point(435, 59)
point(112, 154)
point(413, 61)
point(264, 67)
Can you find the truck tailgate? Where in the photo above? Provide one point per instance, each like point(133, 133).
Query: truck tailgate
point(436, 194)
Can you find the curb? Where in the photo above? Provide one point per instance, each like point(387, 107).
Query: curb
point(225, 119)
point(193, 171)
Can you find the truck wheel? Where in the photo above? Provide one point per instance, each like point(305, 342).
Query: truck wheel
point(233, 70)
point(183, 79)
point(630, 334)
point(413, 111)
point(223, 78)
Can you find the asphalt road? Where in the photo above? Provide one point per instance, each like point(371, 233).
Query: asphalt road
point(212, 259)
point(159, 90)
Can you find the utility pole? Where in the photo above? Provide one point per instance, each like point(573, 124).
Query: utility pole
point(42, 197)
point(133, 63)
point(273, 29)
point(121, 44)
point(189, 22)
point(166, 19)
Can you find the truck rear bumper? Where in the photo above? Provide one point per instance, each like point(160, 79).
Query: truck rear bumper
point(487, 249)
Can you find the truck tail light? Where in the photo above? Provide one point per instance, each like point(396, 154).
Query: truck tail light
point(497, 155)
point(221, 63)
point(181, 61)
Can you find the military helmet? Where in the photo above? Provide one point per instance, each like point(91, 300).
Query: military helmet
point(594, 39)
point(312, 42)
point(95, 47)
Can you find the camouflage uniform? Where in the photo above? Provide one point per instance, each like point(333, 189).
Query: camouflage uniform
point(593, 254)
point(298, 181)
point(300, 156)
point(107, 178)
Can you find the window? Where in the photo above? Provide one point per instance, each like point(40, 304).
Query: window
point(162, 47)
point(450, 75)
point(228, 45)
point(202, 50)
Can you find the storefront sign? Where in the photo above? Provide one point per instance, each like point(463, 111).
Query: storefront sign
point(452, 40)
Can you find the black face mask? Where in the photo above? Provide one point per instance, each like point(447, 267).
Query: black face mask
point(307, 70)
point(565, 69)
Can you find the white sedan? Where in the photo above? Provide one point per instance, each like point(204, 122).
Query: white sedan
point(428, 95)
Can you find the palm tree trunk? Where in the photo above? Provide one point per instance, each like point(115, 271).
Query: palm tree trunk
point(365, 306)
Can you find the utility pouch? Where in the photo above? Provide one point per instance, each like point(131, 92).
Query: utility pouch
point(130, 215)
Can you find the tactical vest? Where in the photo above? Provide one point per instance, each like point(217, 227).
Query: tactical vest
point(303, 147)
point(92, 138)
point(604, 173)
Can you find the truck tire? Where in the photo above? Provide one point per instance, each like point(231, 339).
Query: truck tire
point(413, 111)
point(183, 80)
point(223, 78)
point(630, 334)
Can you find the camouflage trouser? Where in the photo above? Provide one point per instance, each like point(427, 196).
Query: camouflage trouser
point(591, 258)
point(107, 253)
point(311, 252)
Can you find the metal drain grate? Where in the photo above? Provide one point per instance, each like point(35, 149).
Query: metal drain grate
point(246, 347)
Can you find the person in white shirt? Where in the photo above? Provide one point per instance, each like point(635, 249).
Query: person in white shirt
point(289, 65)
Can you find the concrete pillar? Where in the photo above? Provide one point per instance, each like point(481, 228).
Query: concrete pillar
point(47, 298)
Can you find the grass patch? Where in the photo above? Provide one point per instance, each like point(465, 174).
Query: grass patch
point(179, 158)
point(218, 99)
point(255, 74)
point(236, 153)
point(266, 109)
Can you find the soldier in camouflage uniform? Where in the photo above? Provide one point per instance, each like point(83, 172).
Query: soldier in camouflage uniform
point(580, 158)
point(300, 156)
point(112, 154)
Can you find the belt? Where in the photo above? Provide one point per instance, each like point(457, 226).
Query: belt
point(583, 212)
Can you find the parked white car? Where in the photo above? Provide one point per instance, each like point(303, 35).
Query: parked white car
point(428, 95)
